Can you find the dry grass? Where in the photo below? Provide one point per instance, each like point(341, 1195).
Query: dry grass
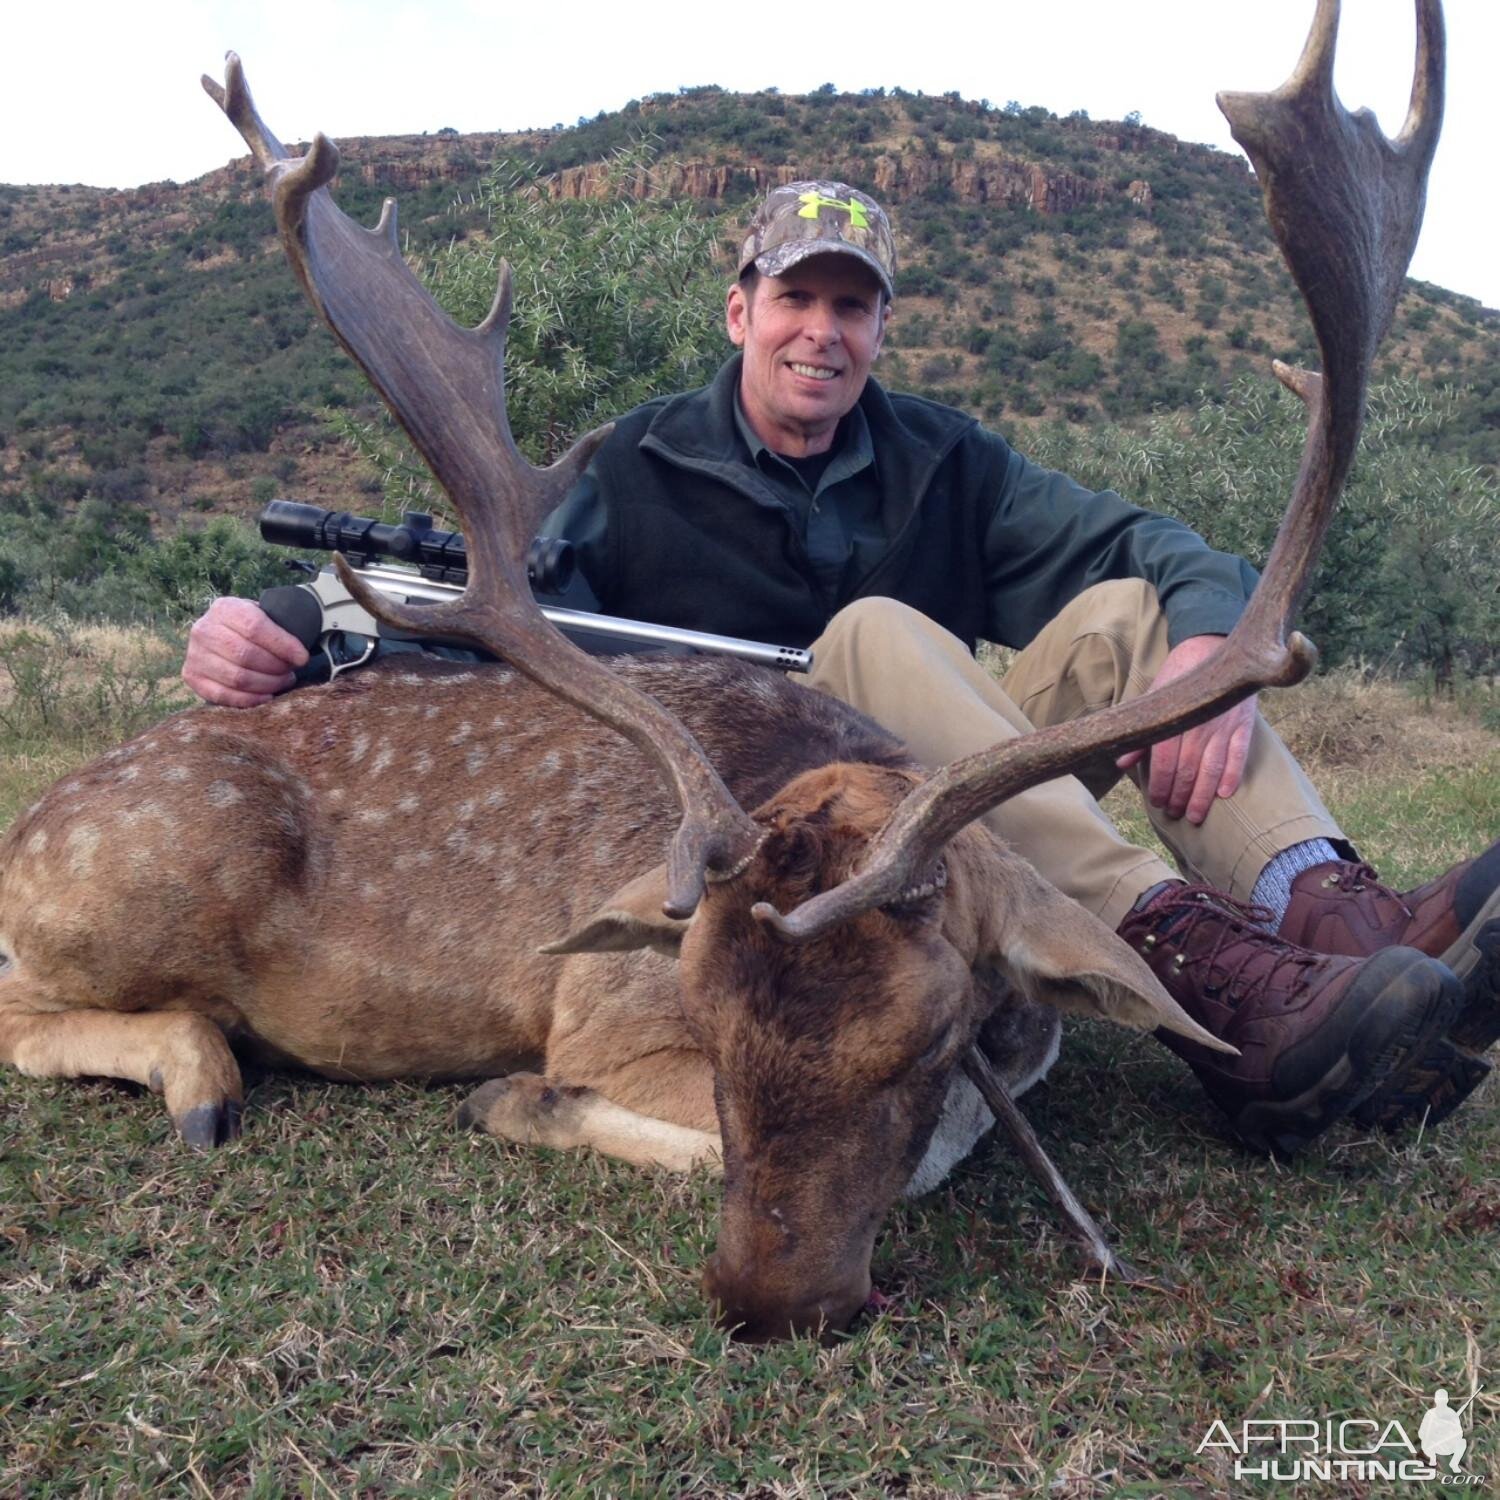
point(88, 649)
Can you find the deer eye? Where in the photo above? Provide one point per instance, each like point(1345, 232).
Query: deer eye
point(936, 1047)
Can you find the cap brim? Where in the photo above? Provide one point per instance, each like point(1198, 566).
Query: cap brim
point(781, 258)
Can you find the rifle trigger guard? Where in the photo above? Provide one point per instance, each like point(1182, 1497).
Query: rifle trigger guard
point(335, 667)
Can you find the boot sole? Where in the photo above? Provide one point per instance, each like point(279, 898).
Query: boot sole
point(1450, 1069)
point(1410, 1002)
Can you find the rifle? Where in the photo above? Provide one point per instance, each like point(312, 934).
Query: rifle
point(431, 566)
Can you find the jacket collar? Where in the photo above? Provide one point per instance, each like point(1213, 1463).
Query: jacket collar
point(910, 436)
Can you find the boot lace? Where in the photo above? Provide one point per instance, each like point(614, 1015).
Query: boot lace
point(1238, 925)
point(1350, 879)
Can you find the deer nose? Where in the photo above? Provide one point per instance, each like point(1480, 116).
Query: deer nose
point(756, 1313)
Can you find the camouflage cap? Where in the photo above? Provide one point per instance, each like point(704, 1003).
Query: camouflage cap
point(816, 218)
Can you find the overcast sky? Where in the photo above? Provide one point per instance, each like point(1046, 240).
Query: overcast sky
point(108, 94)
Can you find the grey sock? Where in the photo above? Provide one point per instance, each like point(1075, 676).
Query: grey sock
point(1273, 889)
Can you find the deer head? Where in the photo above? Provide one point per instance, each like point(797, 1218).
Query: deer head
point(835, 1029)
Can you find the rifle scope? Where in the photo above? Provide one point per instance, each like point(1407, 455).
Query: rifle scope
point(439, 555)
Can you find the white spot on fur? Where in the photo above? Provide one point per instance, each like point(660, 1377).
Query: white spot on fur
point(466, 809)
point(175, 773)
point(383, 757)
point(281, 710)
point(82, 843)
point(409, 803)
point(372, 815)
point(37, 842)
point(495, 797)
point(127, 775)
point(409, 679)
point(223, 794)
point(462, 733)
point(358, 748)
point(369, 891)
point(500, 722)
point(421, 763)
point(476, 760)
point(431, 711)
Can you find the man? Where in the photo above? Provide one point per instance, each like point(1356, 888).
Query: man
point(794, 500)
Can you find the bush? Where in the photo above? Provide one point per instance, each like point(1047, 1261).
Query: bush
point(616, 300)
point(182, 574)
point(1407, 571)
point(57, 685)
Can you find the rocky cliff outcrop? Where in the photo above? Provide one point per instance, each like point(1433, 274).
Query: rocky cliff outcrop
point(994, 179)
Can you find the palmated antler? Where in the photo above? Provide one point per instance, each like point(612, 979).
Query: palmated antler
point(1345, 205)
point(446, 386)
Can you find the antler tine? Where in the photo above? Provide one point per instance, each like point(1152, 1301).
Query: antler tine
point(1345, 205)
point(233, 97)
point(445, 385)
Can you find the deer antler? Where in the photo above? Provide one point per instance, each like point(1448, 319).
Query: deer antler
point(446, 386)
point(1345, 205)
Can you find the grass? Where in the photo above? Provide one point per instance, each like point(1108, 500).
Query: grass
point(358, 1299)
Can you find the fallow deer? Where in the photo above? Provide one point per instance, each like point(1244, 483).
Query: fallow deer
point(413, 872)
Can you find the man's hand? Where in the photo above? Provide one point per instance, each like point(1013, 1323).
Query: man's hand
point(238, 656)
point(1189, 770)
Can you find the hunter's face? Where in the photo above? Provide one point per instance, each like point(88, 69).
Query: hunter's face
point(809, 338)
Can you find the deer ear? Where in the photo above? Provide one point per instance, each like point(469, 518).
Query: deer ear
point(1053, 950)
point(631, 918)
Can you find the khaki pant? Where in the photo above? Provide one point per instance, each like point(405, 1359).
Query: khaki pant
point(1103, 648)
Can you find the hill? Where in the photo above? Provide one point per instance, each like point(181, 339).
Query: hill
point(156, 355)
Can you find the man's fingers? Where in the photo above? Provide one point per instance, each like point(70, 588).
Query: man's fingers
point(1164, 758)
point(223, 697)
point(1239, 752)
point(1212, 760)
point(224, 673)
point(239, 625)
point(238, 656)
point(1189, 769)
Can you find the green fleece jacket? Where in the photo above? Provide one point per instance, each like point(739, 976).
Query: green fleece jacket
point(674, 523)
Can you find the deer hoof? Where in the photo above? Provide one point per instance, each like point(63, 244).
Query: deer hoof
point(473, 1112)
point(526, 1108)
point(208, 1125)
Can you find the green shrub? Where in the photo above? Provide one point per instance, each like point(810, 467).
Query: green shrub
point(183, 573)
point(1406, 577)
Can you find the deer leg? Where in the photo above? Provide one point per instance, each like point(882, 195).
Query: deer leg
point(183, 1057)
point(534, 1111)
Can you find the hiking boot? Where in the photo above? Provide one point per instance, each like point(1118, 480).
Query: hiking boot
point(1317, 1033)
point(1342, 907)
